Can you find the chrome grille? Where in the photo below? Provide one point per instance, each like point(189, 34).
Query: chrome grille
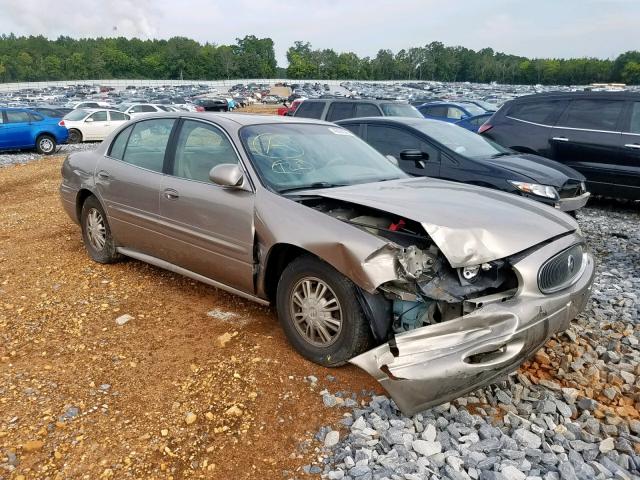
point(561, 270)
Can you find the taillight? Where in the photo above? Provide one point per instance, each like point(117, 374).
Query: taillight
point(485, 127)
point(199, 109)
point(61, 123)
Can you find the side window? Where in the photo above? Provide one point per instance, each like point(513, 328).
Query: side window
point(1, 117)
point(437, 110)
point(454, 113)
point(100, 116)
point(201, 147)
point(391, 141)
point(148, 108)
point(634, 127)
point(310, 110)
point(533, 112)
point(147, 143)
point(117, 147)
point(367, 110)
point(36, 117)
point(117, 116)
point(339, 111)
point(17, 116)
point(592, 114)
point(136, 109)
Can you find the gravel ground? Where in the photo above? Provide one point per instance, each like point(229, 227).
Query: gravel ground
point(570, 413)
point(26, 156)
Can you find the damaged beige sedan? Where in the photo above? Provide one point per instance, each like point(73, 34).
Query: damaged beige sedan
point(434, 288)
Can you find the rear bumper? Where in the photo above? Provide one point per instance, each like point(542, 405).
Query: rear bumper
point(437, 363)
point(573, 203)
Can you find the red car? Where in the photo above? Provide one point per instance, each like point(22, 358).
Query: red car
point(291, 108)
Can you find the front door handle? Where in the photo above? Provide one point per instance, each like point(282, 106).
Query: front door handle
point(171, 194)
point(103, 175)
point(635, 146)
point(560, 139)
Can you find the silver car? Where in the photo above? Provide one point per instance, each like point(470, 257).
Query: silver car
point(434, 288)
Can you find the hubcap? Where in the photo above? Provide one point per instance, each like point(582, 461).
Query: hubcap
point(316, 312)
point(46, 145)
point(96, 230)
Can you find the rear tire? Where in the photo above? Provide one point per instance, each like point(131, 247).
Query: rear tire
point(320, 314)
point(45, 144)
point(75, 136)
point(96, 232)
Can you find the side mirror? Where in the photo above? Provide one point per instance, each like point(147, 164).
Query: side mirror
point(392, 159)
point(413, 155)
point(227, 175)
point(88, 120)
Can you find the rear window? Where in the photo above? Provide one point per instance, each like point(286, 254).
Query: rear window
point(367, 110)
point(36, 117)
point(592, 114)
point(310, 110)
point(533, 112)
point(118, 116)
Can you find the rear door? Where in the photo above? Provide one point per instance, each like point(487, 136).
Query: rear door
point(587, 137)
point(116, 119)
point(391, 140)
point(128, 180)
point(17, 129)
point(209, 228)
point(630, 150)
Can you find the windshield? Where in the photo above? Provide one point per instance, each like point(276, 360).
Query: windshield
point(76, 115)
point(473, 109)
point(400, 110)
point(460, 140)
point(298, 156)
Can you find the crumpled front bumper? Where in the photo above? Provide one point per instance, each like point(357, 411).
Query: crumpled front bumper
point(573, 203)
point(437, 363)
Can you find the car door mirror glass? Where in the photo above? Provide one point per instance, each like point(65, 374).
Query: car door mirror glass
point(227, 175)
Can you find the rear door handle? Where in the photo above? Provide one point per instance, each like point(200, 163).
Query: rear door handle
point(635, 146)
point(104, 175)
point(171, 194)
point(560, 139)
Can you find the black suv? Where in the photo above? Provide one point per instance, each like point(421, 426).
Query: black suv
point(334, 109)
point(597, 133)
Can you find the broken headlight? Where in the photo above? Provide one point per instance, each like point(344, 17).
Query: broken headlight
point(546, 191)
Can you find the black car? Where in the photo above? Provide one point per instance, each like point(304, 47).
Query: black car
point(438, 149)
point(597, 133)
point(334, 109)
point(212, 104)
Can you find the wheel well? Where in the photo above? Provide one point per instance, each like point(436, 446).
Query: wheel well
point(45, 134)
point(80, 199)
point(280, 255)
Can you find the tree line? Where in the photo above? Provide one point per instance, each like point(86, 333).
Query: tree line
point(36, 58)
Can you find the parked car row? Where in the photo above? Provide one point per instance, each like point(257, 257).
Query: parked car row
point(433, 287)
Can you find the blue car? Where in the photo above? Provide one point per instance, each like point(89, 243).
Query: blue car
point(474, 123)
point(451, 112)
point(21, 128)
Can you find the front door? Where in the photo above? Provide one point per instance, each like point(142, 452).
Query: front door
point(96, 126)
point(630, 152)
point(129, 179)
point(209, 228)
point(16, 131)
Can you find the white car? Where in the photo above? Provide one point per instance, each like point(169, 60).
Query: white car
point(92, 124)
point(136, 109)
point(89, 104)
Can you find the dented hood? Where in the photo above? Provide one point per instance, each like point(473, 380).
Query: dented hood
point(470, 225)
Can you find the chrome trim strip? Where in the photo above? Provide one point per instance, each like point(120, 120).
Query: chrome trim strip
point(569, 128)
point(188, 273)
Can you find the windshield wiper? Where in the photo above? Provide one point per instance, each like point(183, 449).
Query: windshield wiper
point(501, 154)
point(312, 186)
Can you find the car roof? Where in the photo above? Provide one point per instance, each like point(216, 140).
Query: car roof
point(239, 119)
point(409, 121)
point(355, 100)
point(580, 95)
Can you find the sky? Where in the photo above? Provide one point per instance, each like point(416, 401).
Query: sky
point(533, 28)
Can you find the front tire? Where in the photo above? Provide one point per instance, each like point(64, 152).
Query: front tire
point(45, 144)
point(96, 232)
point(320, 314)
